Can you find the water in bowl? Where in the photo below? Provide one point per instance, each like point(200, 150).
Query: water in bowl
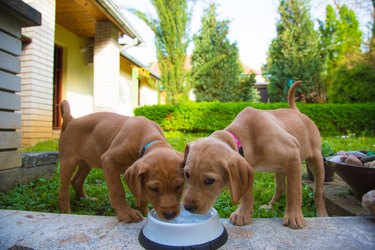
point(186, 217)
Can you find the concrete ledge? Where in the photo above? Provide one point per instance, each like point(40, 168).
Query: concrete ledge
point(39, 159)
point(34, 166)
point(63, 231)
point(340, 200)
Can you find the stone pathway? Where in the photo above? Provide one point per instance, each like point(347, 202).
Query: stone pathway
point(67, 231)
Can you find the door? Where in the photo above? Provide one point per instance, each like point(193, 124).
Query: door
point(57, 82)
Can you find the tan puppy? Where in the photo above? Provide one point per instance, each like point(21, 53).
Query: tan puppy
point(271, 140)
point(117, 144)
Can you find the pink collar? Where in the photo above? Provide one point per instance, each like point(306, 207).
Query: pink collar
point(240, 148)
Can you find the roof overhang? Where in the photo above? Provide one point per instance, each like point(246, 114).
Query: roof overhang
point(139, 64)
point(80, 17)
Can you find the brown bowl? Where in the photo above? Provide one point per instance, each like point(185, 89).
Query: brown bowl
point(360, 179)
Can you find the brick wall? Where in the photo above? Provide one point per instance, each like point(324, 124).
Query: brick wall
point(106, 67)
point(37, 76)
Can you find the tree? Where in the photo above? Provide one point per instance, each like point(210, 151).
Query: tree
point(349, 37)
point(215, 61)
point(368, 7)
point(341, 47)
point(354, 84)
point(248, 92)
point(372, 39)
point(171, 41)
point(327, 32)
point(294, 54)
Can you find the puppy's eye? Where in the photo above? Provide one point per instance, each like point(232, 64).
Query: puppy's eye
point(187, 175)
point(154, 189)
point(209, 181)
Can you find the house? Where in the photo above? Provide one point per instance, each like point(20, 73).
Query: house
point(13, 16)
point(77, 55)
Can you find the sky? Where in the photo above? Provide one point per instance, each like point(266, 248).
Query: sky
point(252, 26)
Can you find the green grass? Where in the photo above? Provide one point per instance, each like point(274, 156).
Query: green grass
point(44, 146)
point(41, 195)
point(351, 142)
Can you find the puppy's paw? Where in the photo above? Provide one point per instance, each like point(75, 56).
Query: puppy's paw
point(268, 206)
point(64, 205)
point(322, 213)
point(240, 218)
point(294, 220)
point(130, 216)
point(88, 198)
point(65, 209)
point(144, 210)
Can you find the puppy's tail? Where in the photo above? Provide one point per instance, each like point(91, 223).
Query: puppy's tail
point(292, 90)
point(65, 114)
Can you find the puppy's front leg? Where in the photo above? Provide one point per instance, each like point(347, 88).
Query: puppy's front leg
point(242, 216)
point(142, 207)
point(117, 195)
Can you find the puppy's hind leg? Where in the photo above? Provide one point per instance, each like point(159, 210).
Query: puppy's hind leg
point(317, 168)
point(79, 179)
point(67, 168)
point(279, 190)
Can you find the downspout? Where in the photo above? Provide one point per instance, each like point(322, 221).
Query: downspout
point(134, 42)
point(135, 75)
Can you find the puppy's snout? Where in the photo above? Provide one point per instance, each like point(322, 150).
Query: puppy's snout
point(169, 214)
point(191, 208)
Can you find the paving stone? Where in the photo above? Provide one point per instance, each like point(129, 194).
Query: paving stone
point(54, 231)
point(122, 237)
point(19, 225)
point(4, 213)
point(320, 233)
point(66, 231)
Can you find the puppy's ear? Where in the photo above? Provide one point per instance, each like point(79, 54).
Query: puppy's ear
point(187, 149)
point(241, 177)
point(134, 176)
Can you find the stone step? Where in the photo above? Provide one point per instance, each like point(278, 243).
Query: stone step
point(37, 230)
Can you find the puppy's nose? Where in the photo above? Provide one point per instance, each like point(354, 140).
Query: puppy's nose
point(191, 208)
point(169, 214)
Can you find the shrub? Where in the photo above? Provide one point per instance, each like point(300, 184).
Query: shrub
point(353, 85)
point(331, 119)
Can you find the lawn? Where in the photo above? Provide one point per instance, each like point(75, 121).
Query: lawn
point(41, 195)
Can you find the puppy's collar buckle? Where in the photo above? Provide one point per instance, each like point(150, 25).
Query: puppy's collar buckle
point(147, 145)
point(240, 148)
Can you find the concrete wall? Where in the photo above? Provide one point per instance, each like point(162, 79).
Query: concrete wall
point(77, 79)
point(106, 68)
point(148, 94)
point(126, 87)
point(37, 76)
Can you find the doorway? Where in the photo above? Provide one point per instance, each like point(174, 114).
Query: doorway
point(57, 82)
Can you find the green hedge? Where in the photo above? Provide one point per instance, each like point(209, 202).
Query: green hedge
point(332, 119)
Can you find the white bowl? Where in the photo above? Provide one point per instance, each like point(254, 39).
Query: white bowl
point(186, 230)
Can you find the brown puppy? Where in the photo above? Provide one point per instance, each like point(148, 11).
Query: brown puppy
point(117, 144)
point(271, 140)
